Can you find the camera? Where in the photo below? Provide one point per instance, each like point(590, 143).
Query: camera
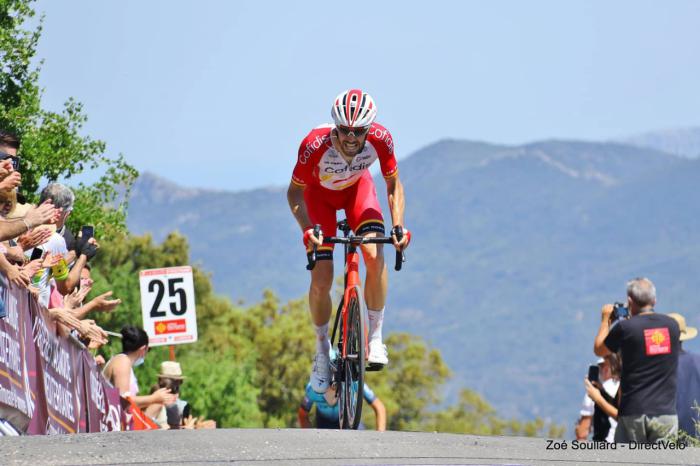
point(620, 312)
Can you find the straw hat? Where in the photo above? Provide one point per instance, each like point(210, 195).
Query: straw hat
point(687, 333)
point(171, 370)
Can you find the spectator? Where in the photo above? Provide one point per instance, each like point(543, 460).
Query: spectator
point(86, 276)
point(16, 249)
point(177, 415)
point(649, 344)
point(169, 416)
point(64, 280)
point(688, 394)
point(10, 179)
point(119, 370)
point(600, 402)
point(327, 412)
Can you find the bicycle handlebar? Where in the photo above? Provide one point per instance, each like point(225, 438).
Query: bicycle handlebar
point(312, 257)
point(400, 256)
point(357, 240)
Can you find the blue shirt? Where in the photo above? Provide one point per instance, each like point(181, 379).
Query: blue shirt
point(327, 416)
point(688, 392)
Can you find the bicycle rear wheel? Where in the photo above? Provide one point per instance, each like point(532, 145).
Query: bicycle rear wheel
point(353, 381)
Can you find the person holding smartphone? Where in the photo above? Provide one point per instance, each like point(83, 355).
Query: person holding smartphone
point(600, 402)
point(61, 277)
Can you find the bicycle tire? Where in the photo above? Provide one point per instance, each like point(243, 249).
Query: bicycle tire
point(352, 384)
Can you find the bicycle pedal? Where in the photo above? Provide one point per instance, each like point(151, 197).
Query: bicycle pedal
point(373, 367)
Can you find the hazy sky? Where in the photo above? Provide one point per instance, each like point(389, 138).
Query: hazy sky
point(220, 93)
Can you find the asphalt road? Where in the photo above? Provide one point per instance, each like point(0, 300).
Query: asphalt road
point(313, 447)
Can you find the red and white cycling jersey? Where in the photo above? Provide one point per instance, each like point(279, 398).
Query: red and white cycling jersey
point(320, 164)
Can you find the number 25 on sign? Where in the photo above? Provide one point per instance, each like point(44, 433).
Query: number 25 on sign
point(167, 305)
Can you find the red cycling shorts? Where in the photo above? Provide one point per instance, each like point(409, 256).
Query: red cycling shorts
point(359, 202)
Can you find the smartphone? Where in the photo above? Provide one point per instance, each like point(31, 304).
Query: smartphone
point(36, 254)
point(593, 373)
point(172, 414)
point(88, 231)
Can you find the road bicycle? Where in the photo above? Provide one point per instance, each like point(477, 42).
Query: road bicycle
point(349, 364)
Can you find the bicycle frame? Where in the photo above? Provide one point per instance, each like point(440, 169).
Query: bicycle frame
point(353, 349)
point(351, 279)
point(352, 269)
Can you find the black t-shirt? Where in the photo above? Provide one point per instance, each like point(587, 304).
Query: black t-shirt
point(650, 345)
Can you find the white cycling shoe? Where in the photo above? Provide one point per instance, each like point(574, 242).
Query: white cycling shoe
point(320, 373)
point(378, 356)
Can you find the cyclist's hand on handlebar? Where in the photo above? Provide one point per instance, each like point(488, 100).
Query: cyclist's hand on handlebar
point(310, 239)
point(402, 244)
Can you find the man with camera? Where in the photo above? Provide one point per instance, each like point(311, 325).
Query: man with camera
point(649, 345)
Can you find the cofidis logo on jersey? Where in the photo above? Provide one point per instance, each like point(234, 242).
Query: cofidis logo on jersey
point(383, 135)
point(312, 146)
point(346, 168)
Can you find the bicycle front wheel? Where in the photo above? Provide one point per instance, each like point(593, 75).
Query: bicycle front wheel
point(353, 383)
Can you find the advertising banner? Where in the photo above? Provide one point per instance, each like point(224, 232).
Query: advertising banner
point(49, 382)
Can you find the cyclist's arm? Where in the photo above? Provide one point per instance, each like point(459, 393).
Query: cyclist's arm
point(295, 197)
point(379, 414)
point(304, 421)
point(394, 190)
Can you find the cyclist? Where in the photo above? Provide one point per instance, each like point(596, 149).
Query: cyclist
point(327, 413)
point(332, 173)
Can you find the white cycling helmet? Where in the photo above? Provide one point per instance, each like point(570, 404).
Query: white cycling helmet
point(354, 109)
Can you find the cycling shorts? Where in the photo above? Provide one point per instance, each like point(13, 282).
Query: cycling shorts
point(359, 202)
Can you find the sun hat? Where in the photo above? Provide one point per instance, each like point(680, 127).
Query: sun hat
point(687, 333)
point(171, 370)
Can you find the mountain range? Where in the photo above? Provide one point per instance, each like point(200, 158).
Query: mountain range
point(514, 251)
point(684, 142)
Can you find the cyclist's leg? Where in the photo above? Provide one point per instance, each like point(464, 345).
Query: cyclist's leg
point(320, 303)
point(323, 212)
point(365, 217)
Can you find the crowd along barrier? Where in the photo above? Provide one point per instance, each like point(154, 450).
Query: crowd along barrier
point(49, 384)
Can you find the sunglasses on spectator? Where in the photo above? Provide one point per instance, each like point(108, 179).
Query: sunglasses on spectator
point(13, 158)
point(357, 132)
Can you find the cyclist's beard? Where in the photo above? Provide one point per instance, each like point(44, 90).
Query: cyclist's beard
point(348, 153)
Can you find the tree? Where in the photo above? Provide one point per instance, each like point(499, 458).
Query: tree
point(410, 385)
point(250, 365)
point(52, 145)
point(285, 345)
point(221, 367)
point(474, 415)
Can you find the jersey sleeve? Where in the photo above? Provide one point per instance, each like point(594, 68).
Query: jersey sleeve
point(614, 339)
point(301, 176)
point(369, 395)
point(384, 143)
point(307, 403)
point(309, 154)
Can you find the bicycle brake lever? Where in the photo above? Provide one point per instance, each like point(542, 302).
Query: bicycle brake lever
point(312, 257)
point(400, 255)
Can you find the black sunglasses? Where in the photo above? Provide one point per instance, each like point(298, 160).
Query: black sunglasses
point(357, 132)
point(13, 158)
